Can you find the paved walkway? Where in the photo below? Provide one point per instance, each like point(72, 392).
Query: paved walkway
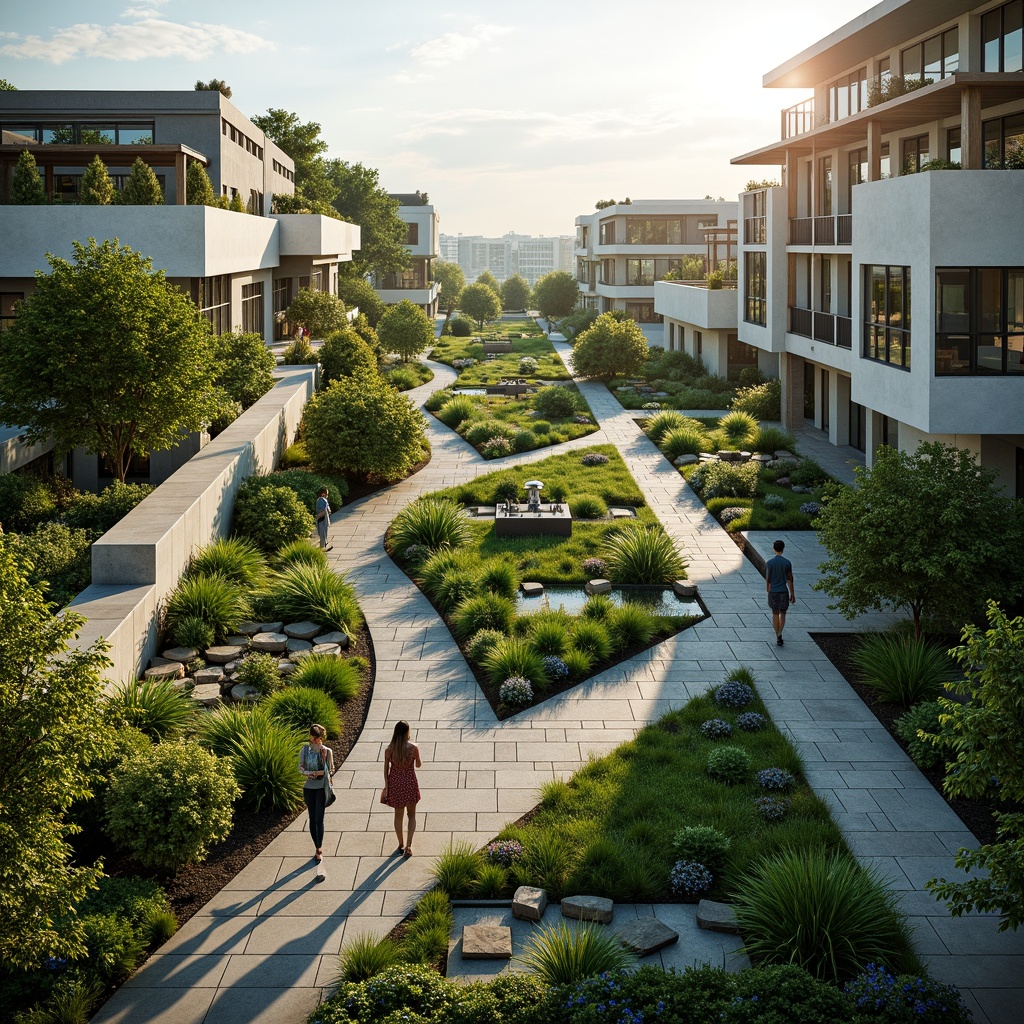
point(265, 948)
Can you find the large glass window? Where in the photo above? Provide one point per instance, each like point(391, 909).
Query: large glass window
point(89, 133)
point(1002, 34)
point(607, 232)
point(214, 301)
point(825, 186)
point(654, 231)
point(412, 234)
point(954, 150)
point(282, 300)
point(755, 288)
point(1004, 142)
point(643, 312)
point(644, 272)
point(887, 315)
point(848, 95)
point(979, 321)
point(252, 308)
point(7, 303)
point(932, 58)
point(915, 154)
point(608, 271)
point(857, 173)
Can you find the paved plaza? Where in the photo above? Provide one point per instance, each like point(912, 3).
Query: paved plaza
point(266, 947)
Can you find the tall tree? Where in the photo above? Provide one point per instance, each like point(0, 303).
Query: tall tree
point(405, 329)
point(198, 187)
point(96, 187)
point(319, 312)
point(142, 187)
point(556, 294)
point(243, 366)
point(911, 534)
point(480, 302)
point(361, 200)
point(357, 292)
point(490, 280)
point(51, 731)
point(106, 354)
point(515, 292)
point(452, 280)
point(27, 188)
point(214, 85)
point(609, 347)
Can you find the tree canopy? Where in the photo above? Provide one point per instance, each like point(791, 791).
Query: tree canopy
point(610, 347)
point(405, 329)
point(319, 312)
point(452, 280)
point(214, 85)
point(918, 532)
point(359, 198)
point(480, 302)
point(516, 292)
point(6, 86)
point(106, 354)
point(198, 187)
point(357, 292)
point(51, 731)
point(141, 188)
point(345, 354)
point(243, 367)
point(27, 188)
point(490, 280)
point(556, 294)
point(96, 188)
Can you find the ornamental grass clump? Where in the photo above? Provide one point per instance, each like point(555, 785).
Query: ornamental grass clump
point(216, 600)
point(455, 871)
point(483, 611)
point(691, 880)
point(237, 560)
point(730, 765)
point(560, 955)
point(656, 427)
point(515, 657)
point(501, 578)
point(315, 593)
point(733, 694)
point(902, 670)
point(516, 692)
point(716, 729)
point(298, 707)
point(433, 522)
point(590, 637)
point(455, 411)
point(641, 555)
point(775, 780)
point(366, 956)
point(685, 440)
point(154, 708)
point(588, 506)
point(339, 678)
point(264, 760)
point(738, 428)
point(630, 626)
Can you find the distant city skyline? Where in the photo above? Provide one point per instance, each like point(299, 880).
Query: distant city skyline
point(510, 118)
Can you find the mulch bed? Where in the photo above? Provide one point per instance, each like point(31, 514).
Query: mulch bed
point(976, 814)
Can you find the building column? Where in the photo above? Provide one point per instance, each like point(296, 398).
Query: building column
point(874, 151)
point(970, 128)
point(872, 436)
point(791, 373)
point(179, 179)
point(839, 415)
point(792, 183)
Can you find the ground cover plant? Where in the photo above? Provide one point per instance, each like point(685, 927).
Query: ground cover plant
point(672, 380)
point(532, 343)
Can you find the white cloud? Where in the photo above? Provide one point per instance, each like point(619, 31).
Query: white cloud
point(452, 47)
point(143, 10)
point(147, 38)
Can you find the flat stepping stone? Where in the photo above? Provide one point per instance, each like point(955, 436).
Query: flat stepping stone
point(785, 455)
point(684, 588)
point(762, 457)
point(168, 670)
point(271, 627)
point(273, 642)
point(588, 908)
point(532, 589)
point(686, 460)
point(207, 694)
point(325, 649)
point(646, 935)
point(717, 917)
point(298, 656)
point(237, 641)
point(286, 668)
point(302, 630)
point(598, 587)
point(486, 942)
point(182, 654)
point(298, 645)
point(621, 513)
point(529, 903)
point(213, 674)
point(244, 692)
point(248, 629)
point(334, 637)
point(225, 653)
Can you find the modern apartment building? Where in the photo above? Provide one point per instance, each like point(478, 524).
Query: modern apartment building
point(422, 241)
point(622, 250)
point(241, 269)
point(886, 275)
point(528, 255)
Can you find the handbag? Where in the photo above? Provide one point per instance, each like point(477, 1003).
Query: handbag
point(328, 788)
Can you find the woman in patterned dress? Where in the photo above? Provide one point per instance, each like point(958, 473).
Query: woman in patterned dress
point(401, 789)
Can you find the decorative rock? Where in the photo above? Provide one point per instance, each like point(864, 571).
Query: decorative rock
point(783, 481)
point(745, 456)
point(336, 637)
point(302, 630)
point(183, 684)
point(686, 460)
point(237, 641)
point(222, 655)
point(297, 656)
point(785, 455)
point(249, 628)
point(800, 489)
point(286, 668)
point(156, 660)
point(621, 513)
point(230, 668)
point(209, 675)
point(529, 903)
point(182, 654)
point(168, 670)
point(598, 587)
point(717, 917)
point(207, 694)
point(271, 627)
point(532, 589)
point(269, 641)
point(325, 649)
point(298, 645)
point(486, 942)
point(761, 457)
point(684, 588)
point(729, 456)
point(588, 908)
point(244, 691)
point(646, 935)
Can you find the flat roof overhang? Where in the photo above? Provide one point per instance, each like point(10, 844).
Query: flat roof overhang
point(933, 102)
point(67, 155)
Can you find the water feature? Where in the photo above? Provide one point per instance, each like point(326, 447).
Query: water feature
point(571, 599)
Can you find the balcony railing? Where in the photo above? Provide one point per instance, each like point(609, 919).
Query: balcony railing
point(844, 229)
point(824, 327)
point(755, 231)
point(821, 230)
point(844, 332)
point(824, 231)
point(800, 321)
point(798, 119)
point(829, 328)
point(801, 230)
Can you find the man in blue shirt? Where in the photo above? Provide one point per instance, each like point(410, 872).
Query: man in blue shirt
point(778, 578)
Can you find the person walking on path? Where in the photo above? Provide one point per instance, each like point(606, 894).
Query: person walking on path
point(778, 580)
point(401, 788)
point(323, 518)
point(316, 759)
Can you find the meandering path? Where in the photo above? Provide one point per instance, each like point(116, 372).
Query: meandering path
point(265, 948)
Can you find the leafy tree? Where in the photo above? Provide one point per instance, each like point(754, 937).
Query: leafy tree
point(27, 188)
point(96, 187)
point(6, 86)
point(361, 200)
point(319, 312)
point(406, 330)
point(452, 280)
point(358, 292)
point(345, 354)
point(363, 425)
point(141, 187)
point(480, 302)
point(515, 293)
point(987, 735)
point(490, 280)
point(609, 347)
point(918, 531)
point(243, 367)
point(214, 85)
point(106, 354)
point(235, 204)
point(198, 188)
point(556, 294)
point(362, 327)
point(51, 732)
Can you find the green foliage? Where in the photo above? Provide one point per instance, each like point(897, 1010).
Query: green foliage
point(405, 329)
point(704, 844)
point(156, 709)
point(630, 626)
point(141, 188)
point(298, 707)
point(299, 353)
point(461, 326)
point(363, 426)
point(345, 354)
point(192, 631)
point(366, 956)
point(561, 955)
point(762, 401)
point(821, 911)
point(729, 480)
point(233, 558)
point(588, 506)
point(198, 188)
point(321, 313)
point(549, 634)
point(113, 950)
point(515, 292)
point(901, 669)
point(138, 901)
point(772, 439)
point(60, 558)
point(555, 294)
point(456, 410)
point(455, 871)
point(304, 591)
point(340, 678)
point(590, 637)
point(480, 643)
point(808, 473)
point(739, 428)
point(220, 729)
point(305, 484)
point(556, 402)
point(944, 567)
point(729, 764)
point(95, 187)
point(300, 551)
point(786, 992)
point(435, 523)
point(27, 187)
point(515, 657)
point(658, 425)
point(500, 578)
point(259, 670)
point(916, 726)
point(690, 439)
point(218, 601)
point(25, 502)
point(641, 555)
point(244, 366)
point(482, 611)
point(108, 355)
point(451, 280)
point(264, 759)
point(270, 516)
point(97, 513)
point(609, 347)
point(480, 302)
point(165, 809)
point(362, 200)
point(358, 293)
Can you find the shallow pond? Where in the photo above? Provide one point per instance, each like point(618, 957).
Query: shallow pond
point(657, 600)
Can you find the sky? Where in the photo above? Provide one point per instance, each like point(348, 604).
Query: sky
point(511, 116)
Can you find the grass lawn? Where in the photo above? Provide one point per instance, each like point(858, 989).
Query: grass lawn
point(490, 371)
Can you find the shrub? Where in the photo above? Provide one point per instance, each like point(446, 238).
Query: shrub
point(456, 411)
point(338, 677)
point(306, 486)
point(483, 611)
point(259, 669)
point(594, 459)
point(524, 441)
point(588, 506)
point(60, 557)
point(774, 502)
point(478, 433)
point(298, 707)
point(733, 694)
point(496, 448)
point(514, 657)
point(315, 592)
point(433, 571)
point(555, 668)
point(556, 402)
point(775, 780)
point(905, 999)
point(527, 366)
point(716, 729)
point(598, 606)
point(504, 852)
point(165, 808)
point(501, 578)
point(641, 555)
point(771, 808)
point(578, 662)
point(156, 709)
point(214, 599)
point(594, 568)
point(454, 587)
point(685, 440)
point(820, 910)
point(461, 327)
point(345, 354)
point(807, 473)
point(264, 759)
point(729, 480)
point(762, 401)
point(437, 399)
point(690, 879)
point(739, 428)
point(219, 729)
point(772, 439)
point(25, 501)
point(549, 634)
point(924, 718)
point(656, 427)
point(516, 692)
point(730, 765)
point(365, 957)
point(481, 642)
point(434, 522)
point(540, 427)
point(112, 948)
point(901, 670)
point(97, 513)
point(704, 844)
point(810, 508)
point(590, 637)
point(786, 993)
point(303, 551)
point(456, 869)
point(630, 626)
point(270, 516)
point(560, 955)
point(233, 558)
point(751, 721)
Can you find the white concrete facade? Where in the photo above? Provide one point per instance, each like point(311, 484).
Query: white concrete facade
point(422, 241)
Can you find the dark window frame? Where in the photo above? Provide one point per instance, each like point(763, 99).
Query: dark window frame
point(993, 30)
point(948, 58)
point(887, 330)
point(755, 288)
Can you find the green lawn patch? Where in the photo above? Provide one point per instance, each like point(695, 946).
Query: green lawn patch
point(504, 364)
